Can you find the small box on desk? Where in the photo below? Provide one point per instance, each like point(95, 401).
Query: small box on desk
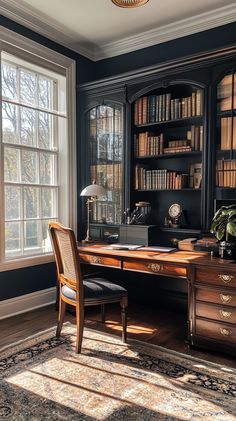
point(145, 235)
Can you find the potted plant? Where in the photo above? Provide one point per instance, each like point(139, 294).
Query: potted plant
point(224, 227)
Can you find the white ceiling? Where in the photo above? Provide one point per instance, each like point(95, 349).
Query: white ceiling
point(98, 29)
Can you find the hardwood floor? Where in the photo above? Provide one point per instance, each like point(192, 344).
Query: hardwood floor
point(160, 326)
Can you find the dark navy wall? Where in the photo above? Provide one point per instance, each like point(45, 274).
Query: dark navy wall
point(26, 280)
point(203, 41)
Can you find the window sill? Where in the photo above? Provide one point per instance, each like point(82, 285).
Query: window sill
point(26, 262)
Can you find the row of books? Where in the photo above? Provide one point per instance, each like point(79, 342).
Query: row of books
point(226, 173)
point(146, 179)
point(107, 175)
point(157, 108)
point(224, 93)
point(147, 144)
point(228, 133)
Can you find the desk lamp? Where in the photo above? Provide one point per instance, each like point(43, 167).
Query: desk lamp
point(93, 191)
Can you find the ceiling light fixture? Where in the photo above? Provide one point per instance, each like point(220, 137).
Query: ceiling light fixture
point(129, 3)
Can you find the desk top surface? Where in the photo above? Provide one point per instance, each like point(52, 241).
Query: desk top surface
point(178, 256)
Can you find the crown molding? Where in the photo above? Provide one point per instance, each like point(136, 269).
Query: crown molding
point(181, 28)
point(41, 24)
point(56, 32)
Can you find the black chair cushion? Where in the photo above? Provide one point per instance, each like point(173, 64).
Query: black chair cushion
point(96, 289)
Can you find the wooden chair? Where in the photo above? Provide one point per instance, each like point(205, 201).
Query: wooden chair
point(78, 291)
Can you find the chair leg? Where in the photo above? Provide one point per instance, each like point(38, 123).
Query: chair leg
point(103, 313)
point(80, 327)
point(124, 304)
point(61, 315)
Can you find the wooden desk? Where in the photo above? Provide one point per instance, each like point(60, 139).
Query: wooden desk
point(211, 288)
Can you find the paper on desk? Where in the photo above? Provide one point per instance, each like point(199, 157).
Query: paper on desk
point(160, 249)
point(118, 246)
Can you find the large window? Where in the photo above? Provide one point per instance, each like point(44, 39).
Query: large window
point(34, 156)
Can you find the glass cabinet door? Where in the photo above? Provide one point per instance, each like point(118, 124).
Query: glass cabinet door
point(226, 138)
point(105, 125)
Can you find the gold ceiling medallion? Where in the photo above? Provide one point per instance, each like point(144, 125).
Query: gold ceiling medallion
point(129, 3)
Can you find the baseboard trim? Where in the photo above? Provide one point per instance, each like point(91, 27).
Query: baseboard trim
point(27, 302)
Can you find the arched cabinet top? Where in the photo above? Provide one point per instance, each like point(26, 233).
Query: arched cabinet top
point(165, 85)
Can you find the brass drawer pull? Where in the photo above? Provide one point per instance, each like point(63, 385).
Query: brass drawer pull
point(155, 267)
point(225, 314)
point(225, 298)
point(225, 278)
point(95, 259)
point(225, 332)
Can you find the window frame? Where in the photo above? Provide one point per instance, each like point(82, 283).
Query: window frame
point(37, 54)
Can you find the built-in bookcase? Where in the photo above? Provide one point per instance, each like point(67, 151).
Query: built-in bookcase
point(163, 135)
point(168, 140)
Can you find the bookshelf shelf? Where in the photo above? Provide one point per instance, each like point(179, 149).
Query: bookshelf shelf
point(178, 122)
point(170, 155)
point(180, 230)
point(167, 190)
point(227, 113)
point(226, 188)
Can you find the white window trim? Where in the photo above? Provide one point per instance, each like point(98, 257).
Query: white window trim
point(8, 41)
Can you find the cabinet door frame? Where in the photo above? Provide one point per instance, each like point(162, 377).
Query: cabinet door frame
point(218, 74)
point(83, 155)
point(164, 83)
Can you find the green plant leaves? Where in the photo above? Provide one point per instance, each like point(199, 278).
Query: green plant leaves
point(224, 222)
point(231, 228)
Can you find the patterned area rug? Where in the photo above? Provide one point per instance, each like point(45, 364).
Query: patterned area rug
point(43, 379)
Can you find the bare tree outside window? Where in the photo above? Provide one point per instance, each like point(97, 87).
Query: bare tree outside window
point(30, 120)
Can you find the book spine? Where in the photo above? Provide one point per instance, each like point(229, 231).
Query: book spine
point(168, 106)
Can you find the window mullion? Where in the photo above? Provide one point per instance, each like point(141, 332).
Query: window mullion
point(2, 206)
point(40, 227)
point(22, 216)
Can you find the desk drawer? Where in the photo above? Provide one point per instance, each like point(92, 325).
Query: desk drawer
point(100, 260)
point(216, 276)
point(216, 312)
point(155, 268)
point(214, 330)
point(222, 297)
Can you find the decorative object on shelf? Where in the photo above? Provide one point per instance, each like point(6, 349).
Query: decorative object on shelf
point(93, 191)
point(175, 211)
point(143, 210)
point(139, 215)
point(224, 227)
point(129, 4)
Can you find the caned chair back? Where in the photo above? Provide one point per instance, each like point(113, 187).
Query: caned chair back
point(66, 256)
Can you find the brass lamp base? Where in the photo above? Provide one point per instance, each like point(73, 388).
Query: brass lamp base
point(88, 240)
